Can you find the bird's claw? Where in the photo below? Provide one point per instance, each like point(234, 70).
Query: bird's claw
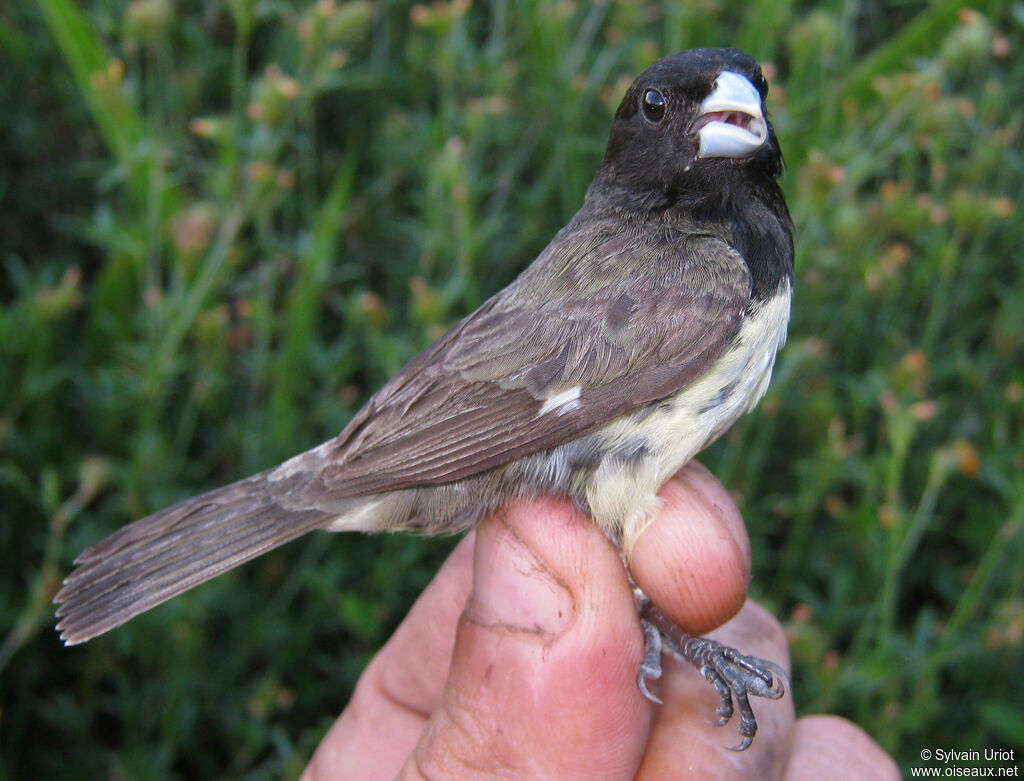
point(734, 675)
point(650, 666)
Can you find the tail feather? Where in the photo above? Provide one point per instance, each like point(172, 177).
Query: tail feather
point(164, 554)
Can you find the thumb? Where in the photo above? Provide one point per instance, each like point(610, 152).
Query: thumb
point(541, 682)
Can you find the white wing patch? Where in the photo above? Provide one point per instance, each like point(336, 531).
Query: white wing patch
point(309, 461)
point(560, 403)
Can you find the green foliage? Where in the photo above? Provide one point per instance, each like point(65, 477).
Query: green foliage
point(224, 225)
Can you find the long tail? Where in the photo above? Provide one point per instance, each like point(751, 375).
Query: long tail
point(164, 554)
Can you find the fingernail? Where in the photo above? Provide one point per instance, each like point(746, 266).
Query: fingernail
point(514, 589)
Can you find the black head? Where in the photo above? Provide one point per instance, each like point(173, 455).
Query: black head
point(690, 124)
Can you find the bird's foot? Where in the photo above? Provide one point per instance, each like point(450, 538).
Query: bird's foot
point(734, 675)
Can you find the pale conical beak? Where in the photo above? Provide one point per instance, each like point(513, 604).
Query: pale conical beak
point(731, 122)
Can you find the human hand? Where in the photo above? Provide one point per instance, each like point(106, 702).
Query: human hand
point(520, 659)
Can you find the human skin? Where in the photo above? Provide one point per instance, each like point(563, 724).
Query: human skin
point(519, 660)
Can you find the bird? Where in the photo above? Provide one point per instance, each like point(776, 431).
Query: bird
point(647, 326)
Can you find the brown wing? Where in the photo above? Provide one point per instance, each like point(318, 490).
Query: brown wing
point(626, 316)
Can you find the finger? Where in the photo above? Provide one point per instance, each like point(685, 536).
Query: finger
point(831, 747)
point(693, 561)
point(541, 682)
point(684, 744)
point(402, 686)
point(404, 681)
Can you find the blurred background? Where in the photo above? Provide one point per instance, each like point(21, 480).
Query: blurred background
point(223, 225)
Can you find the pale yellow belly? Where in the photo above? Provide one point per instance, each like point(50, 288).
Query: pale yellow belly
point(622, 495)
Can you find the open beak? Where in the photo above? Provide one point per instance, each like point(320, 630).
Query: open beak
point(731, 122)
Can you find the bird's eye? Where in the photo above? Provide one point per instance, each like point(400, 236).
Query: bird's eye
point(653, 105)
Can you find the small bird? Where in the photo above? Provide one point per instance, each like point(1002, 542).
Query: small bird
point(646, 327)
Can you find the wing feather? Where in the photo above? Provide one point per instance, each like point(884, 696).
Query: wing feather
point(628, 317)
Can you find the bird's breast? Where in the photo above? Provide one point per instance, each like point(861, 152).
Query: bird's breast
point(645, 448)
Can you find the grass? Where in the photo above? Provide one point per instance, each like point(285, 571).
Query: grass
point(224, 226)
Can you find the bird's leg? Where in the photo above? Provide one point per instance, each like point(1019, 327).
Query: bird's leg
point(734, 675)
